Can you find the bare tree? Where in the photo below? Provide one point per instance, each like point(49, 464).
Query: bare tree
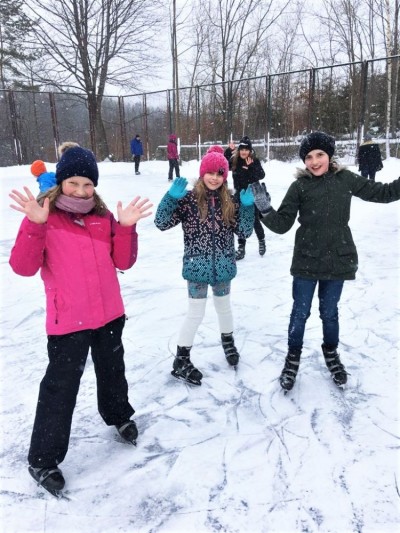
point(388, 14)
point(235, 34)
point(88, 45)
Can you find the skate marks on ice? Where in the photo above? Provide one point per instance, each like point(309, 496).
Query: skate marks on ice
point(235, 454)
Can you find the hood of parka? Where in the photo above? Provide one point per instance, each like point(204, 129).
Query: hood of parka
point(304, 173)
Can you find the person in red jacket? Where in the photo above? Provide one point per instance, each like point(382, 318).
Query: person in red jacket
point(173, 157)
point(74, 240)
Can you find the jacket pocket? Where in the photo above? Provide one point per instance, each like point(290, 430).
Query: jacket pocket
point(197, 268)
point(348, 257)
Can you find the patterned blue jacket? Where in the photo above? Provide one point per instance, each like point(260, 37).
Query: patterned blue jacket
point(209, 249)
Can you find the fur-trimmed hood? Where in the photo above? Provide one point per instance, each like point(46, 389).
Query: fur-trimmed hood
point(304, 173)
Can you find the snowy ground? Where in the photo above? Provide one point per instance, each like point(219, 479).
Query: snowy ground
point(234, 455)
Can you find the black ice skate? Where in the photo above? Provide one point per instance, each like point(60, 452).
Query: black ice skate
point(128, 431)
point(289, 373)
point(261, 247)
point(183, 367)
point(240, 252)
point(51, 479)
point(335, 366)
point(231, 353)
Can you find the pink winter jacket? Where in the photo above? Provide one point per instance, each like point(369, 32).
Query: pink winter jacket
point(77, 258)
point(172, 148)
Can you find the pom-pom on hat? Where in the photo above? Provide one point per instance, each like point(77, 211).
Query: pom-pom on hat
point(215, 148)
point(38, 167)
point(214, 161)
point(77, 161)
point(318, 140)
point(245, 143)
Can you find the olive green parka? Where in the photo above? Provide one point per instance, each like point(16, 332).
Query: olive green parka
point(324, 248)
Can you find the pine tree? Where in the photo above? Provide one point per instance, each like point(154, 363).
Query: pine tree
point(14, 27)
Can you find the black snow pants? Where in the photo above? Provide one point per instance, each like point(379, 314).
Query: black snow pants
point(60, 385)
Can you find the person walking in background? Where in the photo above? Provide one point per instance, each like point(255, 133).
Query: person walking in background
point(173, 157)
point(324, 251)
point(369, 158)
point(209, 216)
point(74, 240)
point(45, 179)
point(137, 152)
point(247, 169)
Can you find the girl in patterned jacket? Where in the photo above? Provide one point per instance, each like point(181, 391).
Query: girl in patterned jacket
point(76, 243)
point(209, 216)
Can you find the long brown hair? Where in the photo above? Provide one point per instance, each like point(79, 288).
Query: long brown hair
point(227, 204)
point(52, 194)
point(236, 157)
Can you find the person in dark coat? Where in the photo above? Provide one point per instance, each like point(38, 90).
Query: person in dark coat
point(137, 152)
point(209, 215)
point(173, 157)
point(324, 250)
point(246, 169)
point(369, 158)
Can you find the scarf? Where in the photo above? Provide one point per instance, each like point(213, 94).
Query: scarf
point(70, 204)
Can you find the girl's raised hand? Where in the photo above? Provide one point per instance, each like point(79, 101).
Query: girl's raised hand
point(134, 211)
point(28, 205)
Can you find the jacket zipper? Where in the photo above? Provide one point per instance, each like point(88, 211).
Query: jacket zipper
point(212, 209)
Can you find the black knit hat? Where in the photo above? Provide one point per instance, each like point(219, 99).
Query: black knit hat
point(245, 143)
point(318, 140)
point(77, 161)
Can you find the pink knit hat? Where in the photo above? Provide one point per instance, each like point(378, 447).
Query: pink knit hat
point(214, 161)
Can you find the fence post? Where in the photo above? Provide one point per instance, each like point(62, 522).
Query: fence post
point(14, 126)
point(311, 101)
point(197, 95)
point(121, 108)
point(363, 102)
point(268, 81)
point(145, 125)
point(171, 129)
point(54, 123)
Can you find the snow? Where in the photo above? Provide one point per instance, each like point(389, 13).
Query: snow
point(234, 455)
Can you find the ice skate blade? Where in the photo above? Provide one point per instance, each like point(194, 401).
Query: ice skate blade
point(59, 494)
point(185, 380)
point(131, 442)
point(341, 387)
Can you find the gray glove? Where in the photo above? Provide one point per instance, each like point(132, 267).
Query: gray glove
point(262, 198)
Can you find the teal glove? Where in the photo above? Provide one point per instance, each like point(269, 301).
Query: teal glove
point(262, 198)
point(247, 197)
point(178, 188)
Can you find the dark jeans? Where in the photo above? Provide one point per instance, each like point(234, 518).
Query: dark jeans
point(60, 385)
point(173, 165)
point(258, 228)
point(329, 292)
point(136, 159)
point(365, 173)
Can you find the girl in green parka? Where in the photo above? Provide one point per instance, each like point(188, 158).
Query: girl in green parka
point(324, 250)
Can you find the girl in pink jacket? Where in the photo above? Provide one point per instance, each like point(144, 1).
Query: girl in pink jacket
point(74, 240)
point(173, 157)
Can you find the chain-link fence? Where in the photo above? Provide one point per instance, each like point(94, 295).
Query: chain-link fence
point(274, 110)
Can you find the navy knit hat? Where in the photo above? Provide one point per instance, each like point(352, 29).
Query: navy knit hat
point(318, 140)
point(77, 161)
point(245, 143)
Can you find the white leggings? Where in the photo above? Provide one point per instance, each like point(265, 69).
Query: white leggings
point(195, 315)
